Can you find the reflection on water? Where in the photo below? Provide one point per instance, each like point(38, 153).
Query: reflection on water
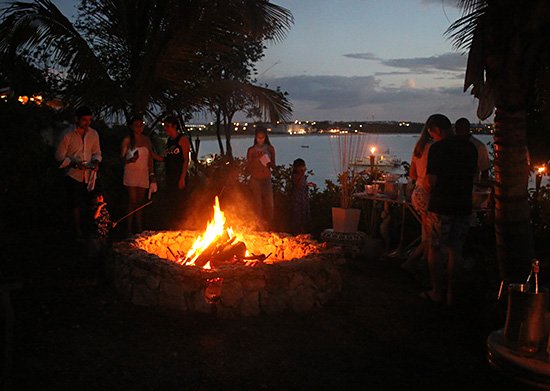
point(317, 152)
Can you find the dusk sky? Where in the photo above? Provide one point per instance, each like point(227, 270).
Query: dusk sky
point(366, 60)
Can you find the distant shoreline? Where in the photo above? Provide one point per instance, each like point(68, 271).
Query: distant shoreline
point(208, 136)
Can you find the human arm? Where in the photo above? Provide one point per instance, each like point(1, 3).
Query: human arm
point(185, 148)
point(413, 174)
point(150, 165)
point(431, 170)
point(124, 151)
point(97, 212)
point(272, 164)
point(156, 156)
point(95, 150)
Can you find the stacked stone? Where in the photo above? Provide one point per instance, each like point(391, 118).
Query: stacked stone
point(297, 285)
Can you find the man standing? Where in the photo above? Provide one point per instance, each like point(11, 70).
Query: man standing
point(79, 154)
point(452, 163)
point(462, 129)
point(176, 160)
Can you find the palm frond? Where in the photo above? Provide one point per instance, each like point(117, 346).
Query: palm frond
point(41, 24)
point(461, 32)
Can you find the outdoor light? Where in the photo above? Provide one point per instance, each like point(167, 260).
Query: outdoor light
point(23, 99)
point(541, 170)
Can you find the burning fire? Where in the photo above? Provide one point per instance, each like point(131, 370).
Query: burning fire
point(541, 169)
point(218, 244)
point(372, 150)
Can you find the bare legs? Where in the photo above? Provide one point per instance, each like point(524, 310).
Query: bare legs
point(436, 258)
point(435, 265)
point(136, 197)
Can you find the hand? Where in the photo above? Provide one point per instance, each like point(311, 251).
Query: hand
point(95, 165)
point(114, 224)
point(153, 188)
point(311, 184)
point(100, 206)
point(181, 183)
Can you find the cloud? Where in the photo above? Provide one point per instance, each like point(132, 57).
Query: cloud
point(359, 98)
point(362, 56)
point(446, 3)
point(328, 91)
point(450, 62)
point(447, 62)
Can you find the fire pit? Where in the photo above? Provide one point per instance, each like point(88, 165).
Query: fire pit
point(226, 273)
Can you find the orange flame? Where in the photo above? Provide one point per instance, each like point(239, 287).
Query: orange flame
point(541, 169)
point(372, 150)
point(214, 231)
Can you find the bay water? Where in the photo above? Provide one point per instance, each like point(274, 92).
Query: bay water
point(321, 152)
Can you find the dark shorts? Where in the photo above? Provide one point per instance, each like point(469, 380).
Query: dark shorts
point(447, 230)
point(77, 193)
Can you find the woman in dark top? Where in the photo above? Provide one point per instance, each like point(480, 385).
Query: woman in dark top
point(176, 155)
point(176, 163)
point(260, 159)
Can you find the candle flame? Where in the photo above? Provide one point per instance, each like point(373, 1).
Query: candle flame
point(373, 150)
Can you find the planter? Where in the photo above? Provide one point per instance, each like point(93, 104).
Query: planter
point(345, 220)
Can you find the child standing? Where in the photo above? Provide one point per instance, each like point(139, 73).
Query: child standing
point(102, 225)
point(301, 214)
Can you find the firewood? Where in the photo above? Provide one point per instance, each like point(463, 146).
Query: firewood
point(213, 250)
point(237, 250)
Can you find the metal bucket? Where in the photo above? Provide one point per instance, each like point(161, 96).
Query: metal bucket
point(524, 330)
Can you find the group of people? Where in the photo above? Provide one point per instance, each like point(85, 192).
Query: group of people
point(79, 155)
point(445, 165)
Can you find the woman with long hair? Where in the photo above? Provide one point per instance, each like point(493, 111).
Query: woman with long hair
point(139, 175)
point(260, 159)
point(420, 195)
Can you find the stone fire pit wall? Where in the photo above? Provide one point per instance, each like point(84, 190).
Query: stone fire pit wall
point(300, 276)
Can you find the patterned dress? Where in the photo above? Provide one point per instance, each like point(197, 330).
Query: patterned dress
point(102, 224)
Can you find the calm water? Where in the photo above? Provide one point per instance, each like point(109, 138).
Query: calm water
point(320, 151)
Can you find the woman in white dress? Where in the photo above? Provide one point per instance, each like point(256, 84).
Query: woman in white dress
point(136, 151)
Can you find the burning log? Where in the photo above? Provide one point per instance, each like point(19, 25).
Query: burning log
point(229, 254)
point(214, 250)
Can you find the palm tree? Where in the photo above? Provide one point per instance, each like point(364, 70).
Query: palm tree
point(508, 48)
point(134, 56)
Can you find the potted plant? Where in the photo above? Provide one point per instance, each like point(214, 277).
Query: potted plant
point(349, 149)
point(345, 218)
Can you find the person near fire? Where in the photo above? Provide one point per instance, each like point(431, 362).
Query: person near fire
point(452, 164)
point(176, 163)
point(102, 226)
point(79, 155)
point(139, 174)
point(260, 159)
point(301, 214)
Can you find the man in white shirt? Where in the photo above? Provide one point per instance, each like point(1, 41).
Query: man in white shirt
point(462, 129)
point(79, 154)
